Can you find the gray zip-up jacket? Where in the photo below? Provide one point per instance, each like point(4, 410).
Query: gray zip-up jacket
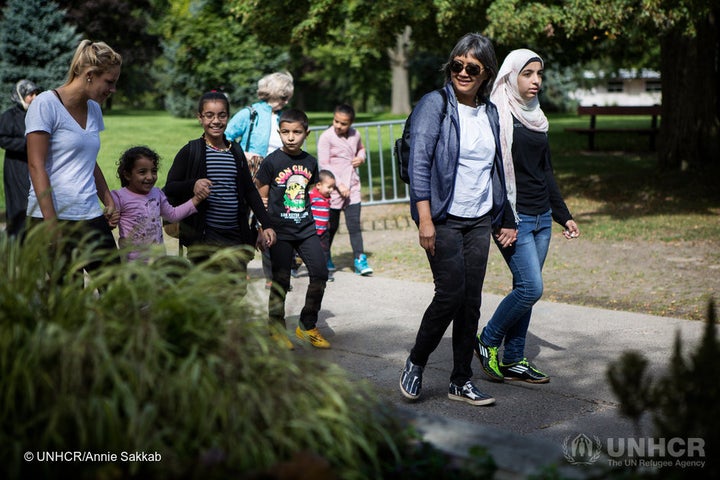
point(435, 152)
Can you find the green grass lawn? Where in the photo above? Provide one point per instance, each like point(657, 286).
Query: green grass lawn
point(616, 191)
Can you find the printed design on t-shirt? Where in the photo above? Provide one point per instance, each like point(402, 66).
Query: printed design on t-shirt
point(146, 224)
point(295, 179)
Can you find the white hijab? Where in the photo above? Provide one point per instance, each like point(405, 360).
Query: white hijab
point(506, 97)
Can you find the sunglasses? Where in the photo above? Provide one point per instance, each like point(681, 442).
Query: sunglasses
point(471, 69)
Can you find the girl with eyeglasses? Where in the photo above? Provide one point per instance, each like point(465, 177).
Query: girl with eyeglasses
point(215, 168)
point(536, 201)
point(457, 198)
point(255, 129)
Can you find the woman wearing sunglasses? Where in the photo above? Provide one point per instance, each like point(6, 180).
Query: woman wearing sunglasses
point(457, 197)
point(536, 201)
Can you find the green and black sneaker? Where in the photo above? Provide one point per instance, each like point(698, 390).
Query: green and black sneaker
point(488, 357)
point(523, 371)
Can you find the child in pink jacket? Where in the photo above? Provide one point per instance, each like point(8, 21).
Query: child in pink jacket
point(142, 206)
point(341, 151)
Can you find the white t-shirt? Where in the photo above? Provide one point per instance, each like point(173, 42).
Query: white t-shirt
point(275, 141)
point(71, 159)
point(472, 197)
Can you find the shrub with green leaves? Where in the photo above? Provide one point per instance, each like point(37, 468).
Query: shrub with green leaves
point(165, 359)
point(684, 401)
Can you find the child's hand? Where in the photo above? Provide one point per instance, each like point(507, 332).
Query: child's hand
point(202, 187)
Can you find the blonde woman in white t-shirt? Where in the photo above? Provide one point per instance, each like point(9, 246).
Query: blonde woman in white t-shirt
point(62, 129)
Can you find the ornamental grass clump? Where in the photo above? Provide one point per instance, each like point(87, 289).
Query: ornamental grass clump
point(167, 361)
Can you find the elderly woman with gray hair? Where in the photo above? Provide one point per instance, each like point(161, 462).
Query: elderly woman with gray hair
point(15, 170)
point(255, 127)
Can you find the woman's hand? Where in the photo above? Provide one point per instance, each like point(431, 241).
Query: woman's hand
point(506, 237)
point(571, 230)
point(357, 161)
point(426, 234)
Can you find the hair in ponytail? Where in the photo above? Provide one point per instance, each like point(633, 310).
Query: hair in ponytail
point(92, 58)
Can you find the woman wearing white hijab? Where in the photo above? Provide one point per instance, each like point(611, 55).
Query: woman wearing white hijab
point(536, 201)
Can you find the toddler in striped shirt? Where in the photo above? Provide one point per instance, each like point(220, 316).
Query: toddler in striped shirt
point(320, 206)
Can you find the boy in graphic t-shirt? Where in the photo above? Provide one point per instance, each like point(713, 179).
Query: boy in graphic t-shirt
point(284, 180)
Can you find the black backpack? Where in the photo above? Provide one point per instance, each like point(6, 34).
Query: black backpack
point(402, 146)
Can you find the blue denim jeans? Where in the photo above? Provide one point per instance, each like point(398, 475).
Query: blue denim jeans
point(525, 258)
point(458, 266)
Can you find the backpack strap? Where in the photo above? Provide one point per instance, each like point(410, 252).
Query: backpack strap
point(253, 116)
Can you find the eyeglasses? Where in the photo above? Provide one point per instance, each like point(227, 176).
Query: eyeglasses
point(471, 69)
point(210, 115)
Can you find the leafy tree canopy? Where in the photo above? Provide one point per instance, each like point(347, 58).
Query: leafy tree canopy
point(204, 49)
point(125, 26)
point(36, 43)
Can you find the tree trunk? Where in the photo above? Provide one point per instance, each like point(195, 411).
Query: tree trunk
point(689, 136)
point(400, 80)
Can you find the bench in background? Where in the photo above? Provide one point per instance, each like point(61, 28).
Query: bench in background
point(595, 111)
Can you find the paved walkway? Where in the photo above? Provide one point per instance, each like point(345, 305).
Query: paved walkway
point(372, 321)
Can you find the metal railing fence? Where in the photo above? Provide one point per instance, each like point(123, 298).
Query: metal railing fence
point(381, 183)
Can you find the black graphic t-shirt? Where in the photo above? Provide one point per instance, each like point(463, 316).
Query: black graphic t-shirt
point(290, 179)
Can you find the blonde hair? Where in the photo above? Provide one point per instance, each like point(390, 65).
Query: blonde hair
point(275, 85)
point(92, 57)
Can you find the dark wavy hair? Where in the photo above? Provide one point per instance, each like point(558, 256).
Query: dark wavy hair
point(480, 47)
point(128, 159)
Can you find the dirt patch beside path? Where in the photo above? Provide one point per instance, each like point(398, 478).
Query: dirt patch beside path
point(660, 278)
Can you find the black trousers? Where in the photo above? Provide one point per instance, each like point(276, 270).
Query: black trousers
point(352, 222)
point(458, 266)
point(312, 255)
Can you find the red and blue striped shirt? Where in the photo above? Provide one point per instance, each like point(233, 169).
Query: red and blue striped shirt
point(320, 207)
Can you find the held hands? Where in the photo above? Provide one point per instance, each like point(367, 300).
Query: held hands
point(343, 190)
point(112, 216)
point(202, 188)
point(266, 239)
point(571, 230)
point(506, 237)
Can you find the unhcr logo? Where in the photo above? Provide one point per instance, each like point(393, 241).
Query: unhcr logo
point(582, 450)
point(636, 452)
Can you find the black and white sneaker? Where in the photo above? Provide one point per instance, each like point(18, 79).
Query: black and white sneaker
point(468, 393)
point(523, 371)
point(411, 380)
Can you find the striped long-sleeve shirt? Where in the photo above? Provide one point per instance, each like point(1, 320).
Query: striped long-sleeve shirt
point(320, 207)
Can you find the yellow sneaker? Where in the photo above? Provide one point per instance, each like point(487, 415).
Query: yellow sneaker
point(313, 336)
point(282, 340)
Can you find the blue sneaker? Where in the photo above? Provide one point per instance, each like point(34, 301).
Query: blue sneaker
point(361, 265)
point(331, 265)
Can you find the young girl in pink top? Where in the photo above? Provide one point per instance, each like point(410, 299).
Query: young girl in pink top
point(142, 206)
point(341, 151)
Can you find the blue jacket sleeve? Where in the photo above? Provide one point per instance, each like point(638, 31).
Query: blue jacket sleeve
point(424, 133)
point(237, 126)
